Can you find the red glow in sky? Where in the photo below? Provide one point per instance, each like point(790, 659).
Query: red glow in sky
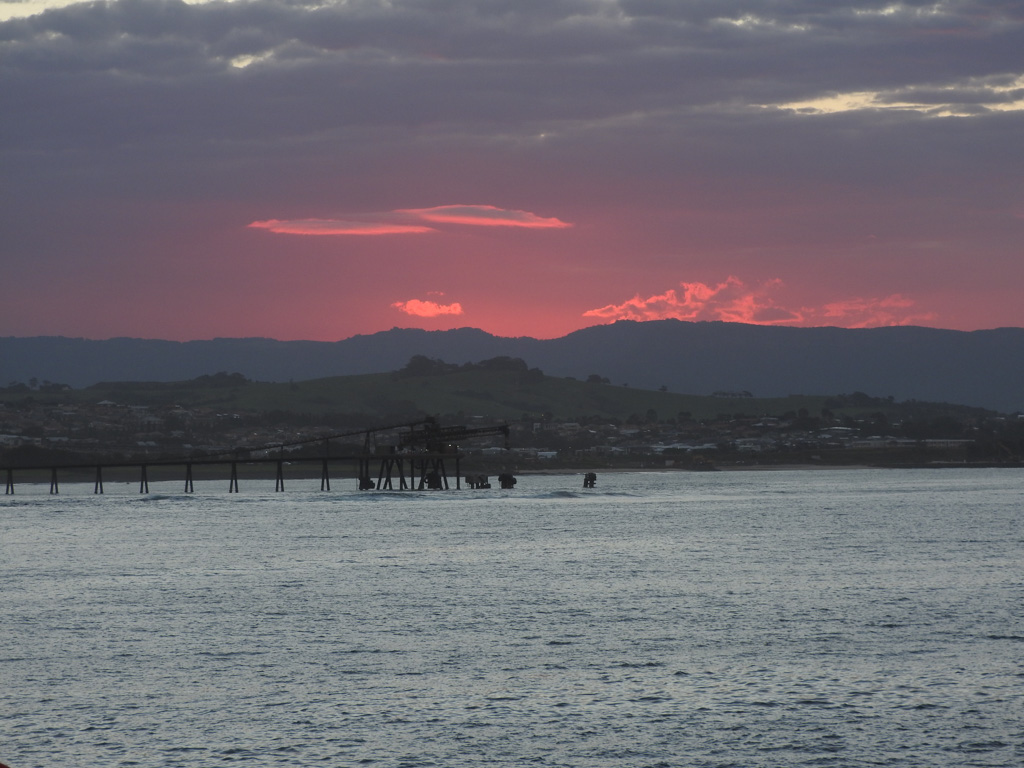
point(326, 171)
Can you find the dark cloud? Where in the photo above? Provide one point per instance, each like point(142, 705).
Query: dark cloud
point(414, 64)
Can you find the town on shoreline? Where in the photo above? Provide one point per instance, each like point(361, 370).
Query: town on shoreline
point(111, 432)
point(553, 424)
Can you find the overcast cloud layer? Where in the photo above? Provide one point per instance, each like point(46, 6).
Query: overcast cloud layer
point(316, 170)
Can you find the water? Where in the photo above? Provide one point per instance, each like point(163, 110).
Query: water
point(803, 618)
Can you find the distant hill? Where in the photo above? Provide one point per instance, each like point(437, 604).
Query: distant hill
point(978, 368)
point(500, 389)
point(497, 389)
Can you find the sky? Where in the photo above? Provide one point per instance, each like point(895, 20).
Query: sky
point(317, 170)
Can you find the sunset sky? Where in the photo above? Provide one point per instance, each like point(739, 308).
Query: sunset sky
point(316, 170)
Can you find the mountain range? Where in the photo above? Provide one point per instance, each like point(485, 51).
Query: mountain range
point(978, 368)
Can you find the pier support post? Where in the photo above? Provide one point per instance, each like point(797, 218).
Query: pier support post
point(390, 464)
point(54, 488)
point(189, 488)
point(10, 483)
point(325, 480)
point(432, 475)
point(98, 485)
point(365, 481)
point(279, 482)
point(144, 480)
point(233, 482)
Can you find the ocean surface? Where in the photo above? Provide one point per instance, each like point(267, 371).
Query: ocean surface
point(793, 618)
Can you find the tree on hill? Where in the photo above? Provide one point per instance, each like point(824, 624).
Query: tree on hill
point(421, 365)
point(221, 379)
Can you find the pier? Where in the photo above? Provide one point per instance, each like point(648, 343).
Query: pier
point(418, 460)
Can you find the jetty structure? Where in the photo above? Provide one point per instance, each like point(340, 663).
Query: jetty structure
point(418, 459)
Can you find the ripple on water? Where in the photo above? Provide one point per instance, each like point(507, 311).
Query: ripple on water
point(807, 618)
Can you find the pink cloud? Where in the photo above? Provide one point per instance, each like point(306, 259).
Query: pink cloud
point(872, 313)
point(730, 300)
point(734, 301)
point(427, 308)
point(483, 215)
point(406, 221)
point(337, 227)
